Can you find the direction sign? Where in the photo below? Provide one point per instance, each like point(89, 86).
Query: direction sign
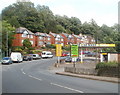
point(58, 50)
point(74, 50)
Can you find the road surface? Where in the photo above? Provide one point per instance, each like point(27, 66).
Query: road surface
point(35, 77)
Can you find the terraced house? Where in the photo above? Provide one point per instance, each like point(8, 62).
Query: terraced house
point(56, 38)
point(22, 34)
point(42, 39)
point(39, 39)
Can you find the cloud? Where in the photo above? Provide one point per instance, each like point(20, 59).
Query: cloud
point(108, 19)
point(43, 2)
point(65, 10)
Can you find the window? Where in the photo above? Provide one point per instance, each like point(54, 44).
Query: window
point(31, 36)
point(56, 38)
point(31, 42)
point(41, 43)
point(22, 41)
point(48, 43)
point(40, 38)
point(25, 33)
point(48, 38)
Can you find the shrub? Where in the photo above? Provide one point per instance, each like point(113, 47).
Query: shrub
point(67, 48)
point(106, 65)
point(50, 46)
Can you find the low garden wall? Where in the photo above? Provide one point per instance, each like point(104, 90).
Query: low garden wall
point(109, 72)
point(80, 70)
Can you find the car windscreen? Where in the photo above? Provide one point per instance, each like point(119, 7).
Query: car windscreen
point(49, 54)
point(43, 53)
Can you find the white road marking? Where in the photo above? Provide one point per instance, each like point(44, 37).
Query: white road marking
point(23, 71)
point(35, 78)
point(30, 75)
point(66, 87)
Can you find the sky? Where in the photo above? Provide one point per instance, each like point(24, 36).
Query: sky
point(102, 11)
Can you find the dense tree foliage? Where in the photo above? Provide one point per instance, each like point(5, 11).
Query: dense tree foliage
point(7, 36)
point(42, 19)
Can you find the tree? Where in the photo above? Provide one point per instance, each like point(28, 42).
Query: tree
point(27, 44)
point(7, 36)
point(47, 17)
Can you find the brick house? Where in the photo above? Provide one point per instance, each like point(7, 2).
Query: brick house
point(56, 38)
point(42, 39)
point(21, 35)
point(68, 38)
point(77, 39)
point(85, 39)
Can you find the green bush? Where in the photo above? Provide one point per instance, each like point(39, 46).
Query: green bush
point(43, 47)
point(50, 46)
point(67, 48)
point(106, 65)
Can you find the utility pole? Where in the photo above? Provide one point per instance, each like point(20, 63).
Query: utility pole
point(7, 44)
point(0, 43)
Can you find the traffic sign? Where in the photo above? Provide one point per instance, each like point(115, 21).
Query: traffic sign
point(74, 50)
point(58, 50)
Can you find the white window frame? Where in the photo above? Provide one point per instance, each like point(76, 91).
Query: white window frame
point(40, 37)
point(48, 38)
point(31, 36)
point(32, 42)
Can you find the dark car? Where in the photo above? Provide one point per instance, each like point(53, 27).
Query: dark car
point(68, 59)
point(6, 60)
point(27, 58)
point(91, 54)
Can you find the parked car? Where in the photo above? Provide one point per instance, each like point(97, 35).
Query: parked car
point(64, 54)
point(91, 54)
point(46, 54)
point(6, 60)
point(16, 57)
point(27, 58)
point(35, 56)
point(68, 59)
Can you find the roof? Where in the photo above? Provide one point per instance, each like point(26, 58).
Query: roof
point(42, 34)
point(55, 35)
point(77, 36)
point(68, 35)
point(65, 34)
point(22, 30)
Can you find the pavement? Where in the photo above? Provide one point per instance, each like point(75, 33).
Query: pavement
point(60, 71)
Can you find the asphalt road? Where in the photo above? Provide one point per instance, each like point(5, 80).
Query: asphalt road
point(35, 77)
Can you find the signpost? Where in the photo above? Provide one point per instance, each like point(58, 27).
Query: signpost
point(58, 52)
point(74, 53)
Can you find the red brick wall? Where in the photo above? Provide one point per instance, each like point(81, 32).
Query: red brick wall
point(18, 40)
point(65, 39)
point(52, 39)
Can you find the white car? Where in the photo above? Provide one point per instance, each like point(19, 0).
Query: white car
point(46, 54)
point(16, 57)
point(35, 56)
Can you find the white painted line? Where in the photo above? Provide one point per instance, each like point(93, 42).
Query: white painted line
point(23, 71)
point(67, 87)
point(35, 78)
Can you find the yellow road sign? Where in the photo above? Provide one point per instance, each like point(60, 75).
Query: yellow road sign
point(58, 49)
point(104, 53)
